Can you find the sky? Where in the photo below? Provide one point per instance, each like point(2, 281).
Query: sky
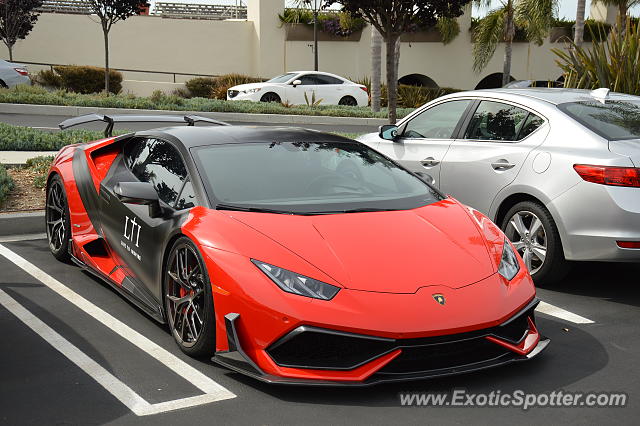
point(567, 7)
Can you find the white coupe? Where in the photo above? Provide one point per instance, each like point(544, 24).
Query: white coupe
point(319, 87)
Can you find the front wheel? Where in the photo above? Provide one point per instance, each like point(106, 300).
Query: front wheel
point(188, 300)
point(270, 97)
point(57, 220)
point(534, 234)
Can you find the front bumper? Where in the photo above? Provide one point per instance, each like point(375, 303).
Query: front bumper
point(316, 356)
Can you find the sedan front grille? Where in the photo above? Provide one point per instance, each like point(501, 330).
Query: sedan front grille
point(233, 93)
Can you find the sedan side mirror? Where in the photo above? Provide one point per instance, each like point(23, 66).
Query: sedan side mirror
point(296, 83)
point(389, 132)
point(140, 193)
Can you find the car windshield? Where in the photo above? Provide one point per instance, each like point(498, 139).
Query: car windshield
point(613, 120)
point(281, 78)
point(308, 178)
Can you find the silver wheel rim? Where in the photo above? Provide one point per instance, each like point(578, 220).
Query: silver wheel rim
point(185, 295)
point(529, 237)
point(56, 217)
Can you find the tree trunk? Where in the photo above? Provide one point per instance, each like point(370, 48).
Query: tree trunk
point(508, 46)
point(10, 47)
point(105, 31)
point(376, 68)
point(622, 17)
point(392, 77)
point(578, 37)
point(397, 59)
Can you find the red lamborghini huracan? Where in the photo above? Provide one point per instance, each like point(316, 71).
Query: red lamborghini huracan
point(290, 255)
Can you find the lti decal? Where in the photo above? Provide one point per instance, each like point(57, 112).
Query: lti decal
point(132, 234)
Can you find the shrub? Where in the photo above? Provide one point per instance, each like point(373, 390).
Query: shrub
point(6, 183)
point(610, 63)
point(40, 166)
point(201, 87)
point(48, 78)
point(340, 24)
point(225, 82)
point(16, 138)
point(85, 79)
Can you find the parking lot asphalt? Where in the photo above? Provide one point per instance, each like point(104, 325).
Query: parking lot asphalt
point(75, 352)
point(49, 122)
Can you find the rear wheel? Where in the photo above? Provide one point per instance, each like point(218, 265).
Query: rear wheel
point(534, 233)
point(57, 220)
point(348, 101)
point(188, 300)
point(270, 97)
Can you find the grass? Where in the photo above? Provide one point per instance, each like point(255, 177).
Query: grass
point(39, 96)
point(17, 138)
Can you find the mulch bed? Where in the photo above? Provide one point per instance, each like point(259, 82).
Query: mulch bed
point(24, 196)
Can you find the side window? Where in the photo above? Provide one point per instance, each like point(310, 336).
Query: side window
point(327, 79)
point(438, 122)
point(531, 124)
point(187, 197)
point(309, 80)
point(495, 121)
point(159, 163)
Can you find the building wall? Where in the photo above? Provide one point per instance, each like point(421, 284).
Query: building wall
point(256, 47)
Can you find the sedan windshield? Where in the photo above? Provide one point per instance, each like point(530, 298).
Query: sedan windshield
point(281, 78)
point(613, 120)
point(308, 178)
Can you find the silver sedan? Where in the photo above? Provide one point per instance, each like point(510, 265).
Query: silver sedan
point(13, 74)
point(557, 169)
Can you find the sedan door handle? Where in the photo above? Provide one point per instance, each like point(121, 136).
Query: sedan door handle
point(429, 162)
point(502, 165)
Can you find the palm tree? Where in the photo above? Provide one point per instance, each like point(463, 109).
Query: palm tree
point(376, 68)
point(578, 36)
point(535, 16)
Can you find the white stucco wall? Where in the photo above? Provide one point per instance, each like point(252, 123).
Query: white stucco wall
point(256, 47)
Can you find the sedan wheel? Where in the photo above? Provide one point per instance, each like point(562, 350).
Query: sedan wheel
point(348, 101)
point(529, 238)
point(188, 301)
point(270, 97)
point(534, 234)
point(57, 220)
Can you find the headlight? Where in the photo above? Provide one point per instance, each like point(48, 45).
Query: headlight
point(509, 265)
point(296, 283)
point(248, 91)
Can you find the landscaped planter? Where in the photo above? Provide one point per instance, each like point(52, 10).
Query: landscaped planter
point(559, 34)
point(430, 36)
point(304, 32)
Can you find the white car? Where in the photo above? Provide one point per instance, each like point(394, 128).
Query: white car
point(329, 89)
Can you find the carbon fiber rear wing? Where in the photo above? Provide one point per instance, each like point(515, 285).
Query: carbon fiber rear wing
point(111, 120)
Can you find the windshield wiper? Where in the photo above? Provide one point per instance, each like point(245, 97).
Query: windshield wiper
point(250, 209)
point(358, 210)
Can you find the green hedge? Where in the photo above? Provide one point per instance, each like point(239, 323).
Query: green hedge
point(79, 79)
point(16, 138)
point(40, 166)
point(40, 96)
point(6, 183)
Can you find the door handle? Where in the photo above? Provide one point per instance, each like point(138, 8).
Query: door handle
point(502, 165)
point(429, 162)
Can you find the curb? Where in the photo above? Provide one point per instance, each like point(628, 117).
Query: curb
point(56, 110)
point(21, 223)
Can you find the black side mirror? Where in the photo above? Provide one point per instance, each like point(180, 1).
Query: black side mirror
point(388, 132)
point(141, 193)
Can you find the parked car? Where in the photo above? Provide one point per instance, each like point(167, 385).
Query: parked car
point(301, 88)
point(291, 256)
point(13, 74)
point(556, 169)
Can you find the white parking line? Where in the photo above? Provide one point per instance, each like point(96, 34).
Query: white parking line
point(212, 391)
point(24, 237)
point(554, 311)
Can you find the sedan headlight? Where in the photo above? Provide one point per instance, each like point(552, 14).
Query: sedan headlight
point(296, 283)
point(509, 265)
point(249, 91)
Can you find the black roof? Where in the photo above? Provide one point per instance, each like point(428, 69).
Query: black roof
point(216, 135)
